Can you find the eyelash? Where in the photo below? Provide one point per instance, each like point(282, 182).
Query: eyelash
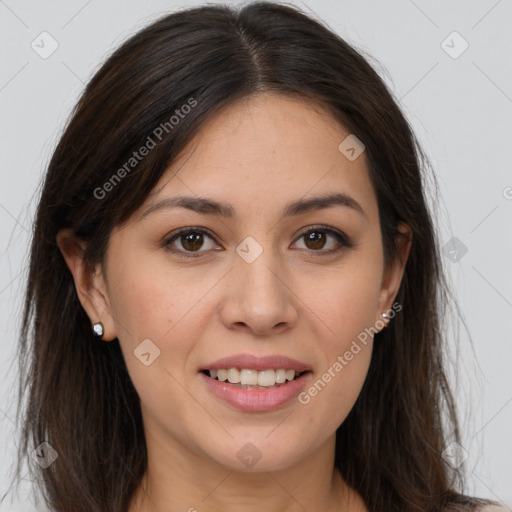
point(341, 238)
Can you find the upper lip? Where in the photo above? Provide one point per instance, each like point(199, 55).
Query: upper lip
point(252, 362)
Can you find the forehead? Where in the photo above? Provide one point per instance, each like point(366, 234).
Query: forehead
point(267, 150)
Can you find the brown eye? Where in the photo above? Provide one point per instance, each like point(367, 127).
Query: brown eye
point(190, 240)
point(315, 240)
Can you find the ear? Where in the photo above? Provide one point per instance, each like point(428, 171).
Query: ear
point(90, 283)
point(392, 276)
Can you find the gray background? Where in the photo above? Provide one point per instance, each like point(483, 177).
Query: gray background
point(460, 109)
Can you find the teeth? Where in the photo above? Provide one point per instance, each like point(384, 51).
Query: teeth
point(267, 378)
point(248, 377)
point(280, 376)
point(233, 376)
point(290, 374)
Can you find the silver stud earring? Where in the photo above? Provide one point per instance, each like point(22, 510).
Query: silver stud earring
point(97, 329)
point(384, 315)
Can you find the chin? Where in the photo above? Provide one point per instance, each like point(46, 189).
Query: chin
point(253, 454)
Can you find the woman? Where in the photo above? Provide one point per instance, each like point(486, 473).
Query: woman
point(235, 287)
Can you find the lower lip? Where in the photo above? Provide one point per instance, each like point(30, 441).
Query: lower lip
point(256, 399)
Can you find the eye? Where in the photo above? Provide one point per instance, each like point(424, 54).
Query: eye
point(315, 240)
point(190, 239)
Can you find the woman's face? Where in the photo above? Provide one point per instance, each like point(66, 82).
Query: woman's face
point(269, 281)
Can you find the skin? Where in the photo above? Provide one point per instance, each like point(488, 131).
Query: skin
point(258, 155)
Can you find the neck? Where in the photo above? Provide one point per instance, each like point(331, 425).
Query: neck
point(179, 479)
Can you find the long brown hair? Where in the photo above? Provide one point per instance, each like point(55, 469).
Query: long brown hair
point(79, 396)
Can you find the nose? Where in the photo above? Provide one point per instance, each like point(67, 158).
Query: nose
point(258, 298)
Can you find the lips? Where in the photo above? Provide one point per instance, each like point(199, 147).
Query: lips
point(271, 362)
point(256, 398)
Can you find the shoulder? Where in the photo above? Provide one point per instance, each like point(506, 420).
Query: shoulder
point(494, 508)
point(465, 503)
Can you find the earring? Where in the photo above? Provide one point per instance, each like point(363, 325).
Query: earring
point(386, 317)
point(97, 329)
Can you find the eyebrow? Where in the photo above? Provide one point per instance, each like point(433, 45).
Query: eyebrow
point(208, 206)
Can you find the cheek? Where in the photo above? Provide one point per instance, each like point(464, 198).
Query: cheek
point(346, 304)
point(149, 302)
point(153, 318)
point(337, 383)
point(346, 301)
point(340, 386)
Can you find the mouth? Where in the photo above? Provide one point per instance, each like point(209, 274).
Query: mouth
point(255, 391)
point(255, 383)
point(251, 379)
